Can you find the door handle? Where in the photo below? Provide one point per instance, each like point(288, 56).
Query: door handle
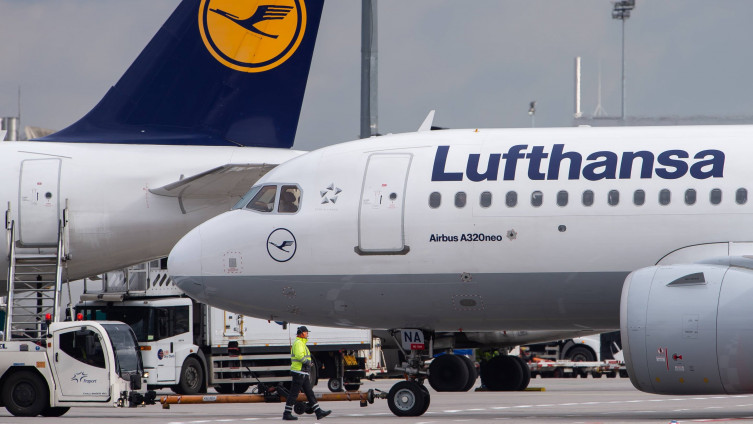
point(171, 347)
point(56, 356)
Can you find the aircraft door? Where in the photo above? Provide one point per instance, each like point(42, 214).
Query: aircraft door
point(380, 213)
point(39, 204)
point(81, 365)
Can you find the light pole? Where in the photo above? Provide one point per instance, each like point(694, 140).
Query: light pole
point(621, 11)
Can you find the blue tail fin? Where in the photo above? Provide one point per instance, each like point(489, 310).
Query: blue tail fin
point(218, 72)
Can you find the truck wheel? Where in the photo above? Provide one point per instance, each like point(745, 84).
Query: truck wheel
point(580, 354)
point(352, 387)
point(407, 399)
point(25, 394)
point(239, 388)
point(191, 377)
point(56, 411)
point(335, 385)
point(448, 373)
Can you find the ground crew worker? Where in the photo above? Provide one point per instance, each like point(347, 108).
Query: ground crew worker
point(299, 368)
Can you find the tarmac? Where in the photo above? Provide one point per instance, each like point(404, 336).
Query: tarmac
point(562, 401)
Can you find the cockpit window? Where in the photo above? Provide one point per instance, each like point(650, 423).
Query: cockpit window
point(290, 197)
point(247, 198)
point(264, 200)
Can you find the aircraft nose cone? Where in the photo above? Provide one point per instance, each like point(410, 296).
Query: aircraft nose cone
point(184, 265)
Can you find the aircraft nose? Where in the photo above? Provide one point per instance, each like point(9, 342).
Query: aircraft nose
point(184, 264)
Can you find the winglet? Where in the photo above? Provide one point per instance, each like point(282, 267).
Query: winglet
point(426, 126)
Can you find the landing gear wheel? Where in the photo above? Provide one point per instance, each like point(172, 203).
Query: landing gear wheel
point(56, 411)
point(407, 399)
point(335, 385)
point(472, 373)
point(448, 373)
point(427, 398)
point(502, 373)
point(25, 394)
point(191, 377)
point(526, 373)
point(240, 387)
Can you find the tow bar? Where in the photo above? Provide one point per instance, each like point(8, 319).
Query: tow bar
point(275, 395)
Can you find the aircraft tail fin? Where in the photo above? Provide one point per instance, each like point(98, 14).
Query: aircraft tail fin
point(218, 72)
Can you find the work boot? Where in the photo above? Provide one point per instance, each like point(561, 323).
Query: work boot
point(287, 416)
point(321, 413)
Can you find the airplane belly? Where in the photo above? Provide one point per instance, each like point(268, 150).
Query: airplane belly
point(443, 302)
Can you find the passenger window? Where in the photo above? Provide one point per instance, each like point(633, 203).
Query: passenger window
point(511, 199)
point(264, 201)
point(486, 199)
point(639, 197)
point(588, 198)
point(537, 198)
point(741, 196)
point(716, 196)
point(83, 346)
point(562, 198)
point(460, 199)
point(690, 196)
point(435, 199)
point(290, 199)
point(664, 197)
point(613, 197)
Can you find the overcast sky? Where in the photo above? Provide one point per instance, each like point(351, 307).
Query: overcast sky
point(478, 63)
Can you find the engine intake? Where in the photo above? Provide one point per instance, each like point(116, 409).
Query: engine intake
point(688, 329)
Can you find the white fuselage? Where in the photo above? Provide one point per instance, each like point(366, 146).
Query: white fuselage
point(114, 220)
point(383, 256)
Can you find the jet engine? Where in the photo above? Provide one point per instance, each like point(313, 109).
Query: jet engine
point(688, 329)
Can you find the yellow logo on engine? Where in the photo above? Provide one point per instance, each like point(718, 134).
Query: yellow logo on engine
point(252, 35)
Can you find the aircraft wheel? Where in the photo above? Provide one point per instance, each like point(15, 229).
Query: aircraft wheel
point(502, 373)
point(448, 373)
point(25, 394)
point(191, 377)
point(526, 373)
point(427, 398)
point(335, 385)
point(407, 399)
point(472, 373)
point(56, 411)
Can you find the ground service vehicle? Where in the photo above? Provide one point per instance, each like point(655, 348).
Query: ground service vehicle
point(75, 364)
point(189, 346)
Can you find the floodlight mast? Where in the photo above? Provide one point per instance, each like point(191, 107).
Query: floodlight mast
point(622, 11)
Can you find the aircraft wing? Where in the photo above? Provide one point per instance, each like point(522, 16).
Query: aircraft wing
point(223, 181)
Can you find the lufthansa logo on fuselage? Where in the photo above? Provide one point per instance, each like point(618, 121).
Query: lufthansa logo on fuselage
point(252, 36)
point(281, 245)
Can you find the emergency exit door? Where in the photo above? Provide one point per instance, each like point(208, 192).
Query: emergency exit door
point(381, 211)
point(39, 205)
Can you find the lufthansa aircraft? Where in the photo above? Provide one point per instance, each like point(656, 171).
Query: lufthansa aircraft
point(644, 229)
point(168, 145)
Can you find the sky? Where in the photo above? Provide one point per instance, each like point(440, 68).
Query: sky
point(478, 63)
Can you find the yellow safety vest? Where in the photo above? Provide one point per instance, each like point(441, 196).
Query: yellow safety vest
point(299, 354)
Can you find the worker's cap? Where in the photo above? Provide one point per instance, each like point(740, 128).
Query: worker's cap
point(302, 329)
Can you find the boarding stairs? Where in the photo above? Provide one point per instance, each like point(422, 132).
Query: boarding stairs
point(34, 284)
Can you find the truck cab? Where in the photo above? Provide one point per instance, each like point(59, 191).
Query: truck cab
point(80, 363)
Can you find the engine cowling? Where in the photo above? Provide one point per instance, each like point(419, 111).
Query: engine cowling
point(688, 329)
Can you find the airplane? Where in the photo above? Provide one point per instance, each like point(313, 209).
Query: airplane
point(644, 229)
point(205, 109)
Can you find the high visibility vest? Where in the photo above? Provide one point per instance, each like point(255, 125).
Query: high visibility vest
point(299, 354)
